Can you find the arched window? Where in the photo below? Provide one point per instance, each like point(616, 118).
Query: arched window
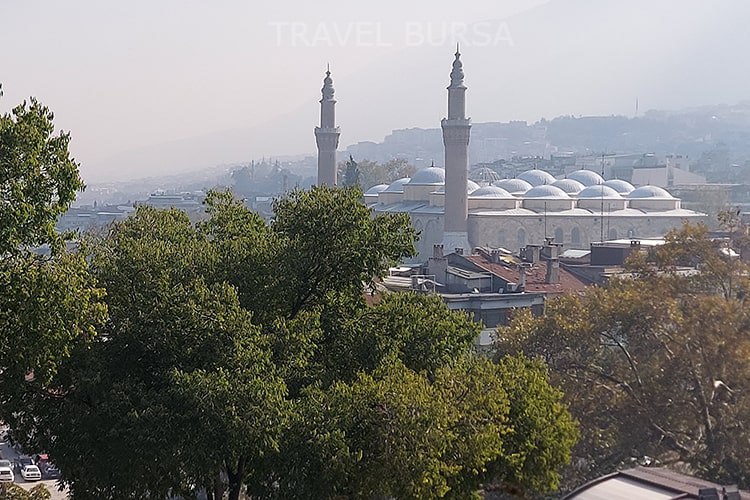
point(501, 238)
point(559, 236)
point(631, 233)
point(613, 234)
point(521, 237)
point(575, 236)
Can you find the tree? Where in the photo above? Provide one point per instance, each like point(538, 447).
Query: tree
point(371, 173)
point(238, 353)
point(38, 179)
point(11, 491)
point(397, 433)
point(48, 304)
point(351, 175)
point(655, 367)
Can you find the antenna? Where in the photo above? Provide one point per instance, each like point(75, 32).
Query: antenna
point(601, 212)
point(545, 220)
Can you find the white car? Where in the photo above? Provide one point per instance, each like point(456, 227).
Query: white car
point(6, 472)
point(31, 473)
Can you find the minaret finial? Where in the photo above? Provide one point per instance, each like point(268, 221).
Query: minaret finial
point(457, 74)
point(458, 49)
point(327, 89)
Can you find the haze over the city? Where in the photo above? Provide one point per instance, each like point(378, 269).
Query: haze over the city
point(161, 87)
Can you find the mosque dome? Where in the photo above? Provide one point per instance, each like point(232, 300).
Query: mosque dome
point(397, 186)
point(622, 187)
point(537, 177)
point(586, 177)
point(599, 191)
point(650, 192)
point(484, 174)
point(546, 191)
point(471, 186)
point(429, 175)
point(491, 192)
point(376, 189)
point(570, 186)
point(514, 186)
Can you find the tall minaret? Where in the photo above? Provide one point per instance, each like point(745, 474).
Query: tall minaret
point(327, 135)
point(456, 131)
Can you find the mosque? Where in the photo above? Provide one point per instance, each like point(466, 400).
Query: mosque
point(450, 210)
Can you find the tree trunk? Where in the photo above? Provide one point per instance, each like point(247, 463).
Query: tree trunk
point(236, 479)
point(218, 487)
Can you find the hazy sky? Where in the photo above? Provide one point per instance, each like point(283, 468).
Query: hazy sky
point(151, 85)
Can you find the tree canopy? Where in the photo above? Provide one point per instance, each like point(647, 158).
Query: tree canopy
point(169, 358)
point(655, 366)
point(239, 353)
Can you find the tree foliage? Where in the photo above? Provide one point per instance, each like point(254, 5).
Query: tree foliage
point(38, 178)
point(11, 491)
point(48, 304)
point(370, 173)
point(656, 367)
point(239, 353)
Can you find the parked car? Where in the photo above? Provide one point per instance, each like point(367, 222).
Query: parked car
point(22, 462)
point(6, 472)
point(31, 473)
point(50, 471)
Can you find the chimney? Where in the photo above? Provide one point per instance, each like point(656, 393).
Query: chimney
point(708, 494)
point(531, 253)
point(437, 265)
point(553, 272)
point(731, 493)
point(522, 277)
point(550, 253)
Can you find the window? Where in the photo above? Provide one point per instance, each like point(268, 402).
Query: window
point(559, 236)
point(522, 237)
point(613, 234)
point(575, 236)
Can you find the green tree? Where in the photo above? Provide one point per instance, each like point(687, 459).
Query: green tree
point(48, 304)
point(38, 178)
point(351, 174)
point(238, 353)
point(655, 367)
point(371, 173)
point(11, 491)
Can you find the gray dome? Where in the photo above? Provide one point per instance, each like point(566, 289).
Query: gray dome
point(491, 192)
point(546, 191)
point(376, 189)
point(586, 177)
point(484, 174)
point(537, 177)
point(570, 186)
point(650, 192)
point(599, 191)
point(515, 186)
point(471, 186)
point(622, 187)
point(429, 175)
point(397, 186)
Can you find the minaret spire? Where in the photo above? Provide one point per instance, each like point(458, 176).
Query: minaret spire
point(327, 134)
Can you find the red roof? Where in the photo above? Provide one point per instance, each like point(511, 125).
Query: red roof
point(535, 276)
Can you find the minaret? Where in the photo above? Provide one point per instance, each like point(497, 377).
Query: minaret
point(327, 135)
point(456, 131)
